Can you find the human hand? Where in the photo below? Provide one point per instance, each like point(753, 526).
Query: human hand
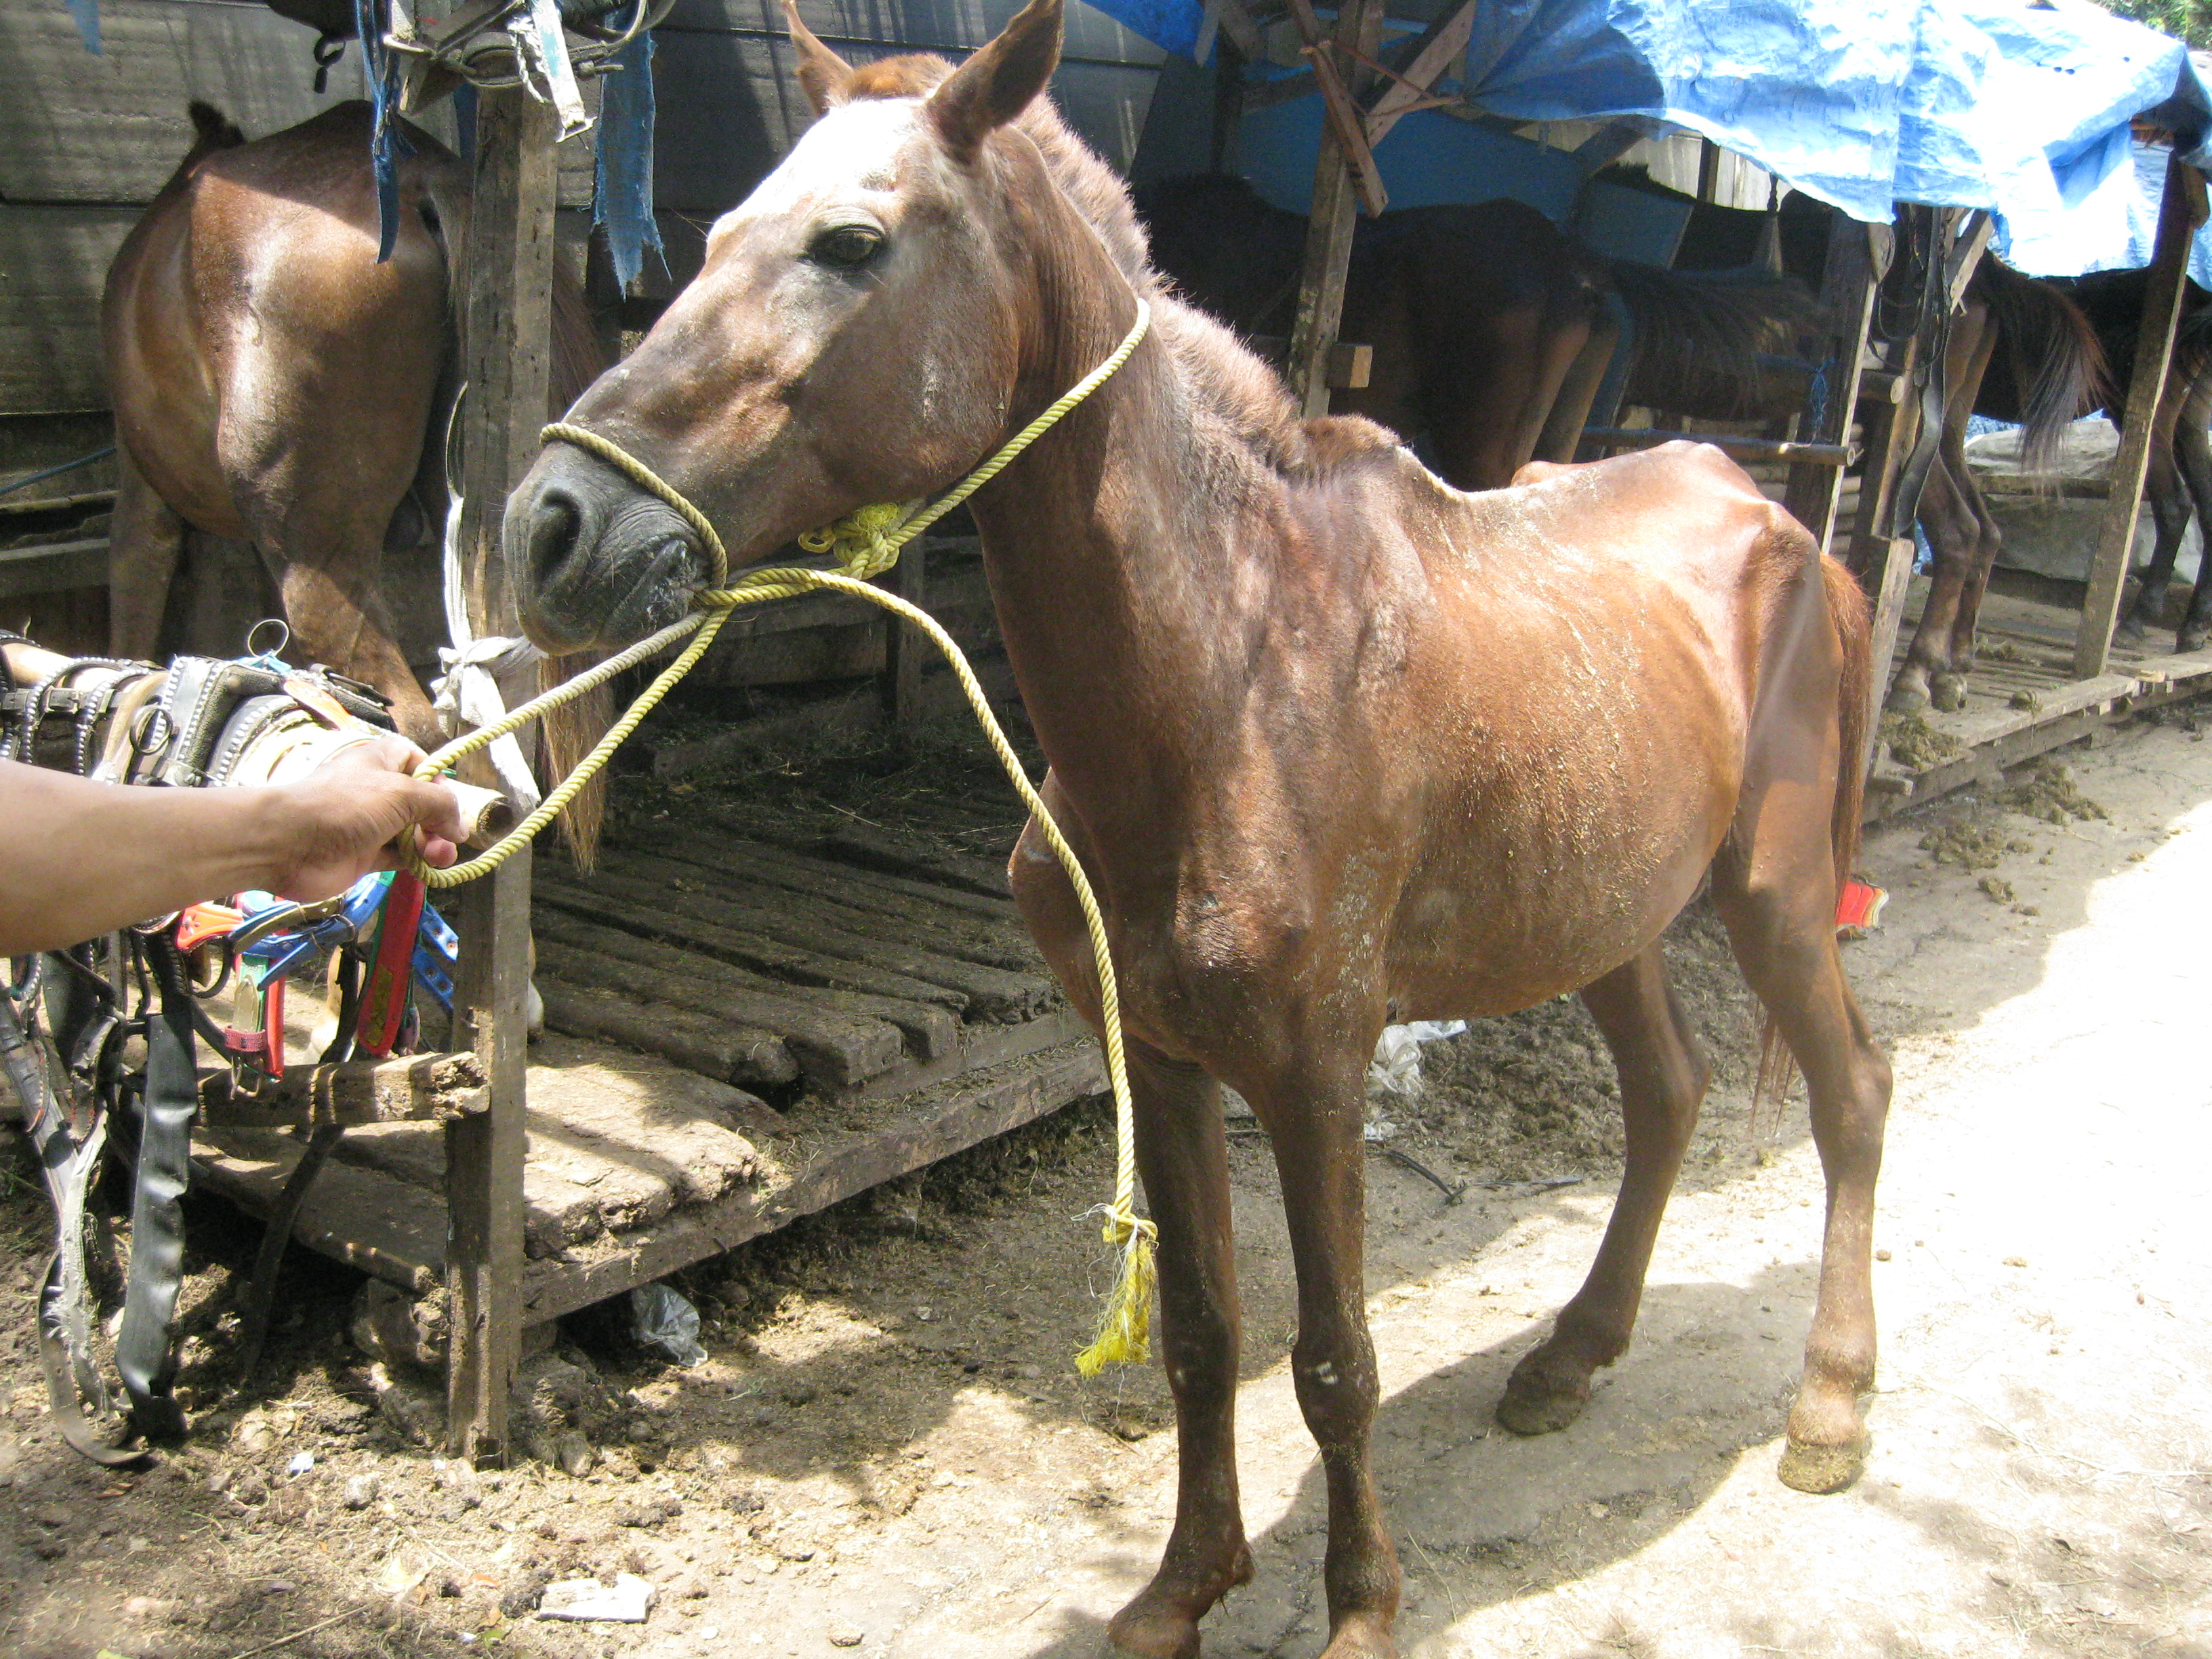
point(348, 816)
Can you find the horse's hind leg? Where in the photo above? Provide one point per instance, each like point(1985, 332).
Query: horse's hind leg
point(1774, 888)
point(144, 546)
point(1663, 1074)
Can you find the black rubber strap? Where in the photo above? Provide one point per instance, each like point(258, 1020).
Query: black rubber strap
point(145, 1349)
point(62, 1388)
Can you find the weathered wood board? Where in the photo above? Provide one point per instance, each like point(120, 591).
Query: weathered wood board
point(53, 262)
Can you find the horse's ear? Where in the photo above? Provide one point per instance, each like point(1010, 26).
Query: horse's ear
point(995, 85)
point(822, 73)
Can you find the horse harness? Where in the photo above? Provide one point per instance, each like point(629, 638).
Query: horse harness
point(98, 1042)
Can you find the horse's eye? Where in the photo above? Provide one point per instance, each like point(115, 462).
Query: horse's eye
point(845, 247)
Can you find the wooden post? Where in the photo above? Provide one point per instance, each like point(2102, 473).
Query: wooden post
point(1328, 235)
point(2180, 213)
point(507, 330)
point(1848, 287)
point(907, 650)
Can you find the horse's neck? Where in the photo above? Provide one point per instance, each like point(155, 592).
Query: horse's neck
point(1123, 583)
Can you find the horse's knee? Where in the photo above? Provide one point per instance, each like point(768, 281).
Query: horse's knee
point(1337, 1389)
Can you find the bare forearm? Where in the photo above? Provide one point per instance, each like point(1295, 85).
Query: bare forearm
point(80, 858)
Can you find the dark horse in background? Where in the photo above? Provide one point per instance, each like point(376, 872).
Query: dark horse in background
point(1488, 323)
point(2048, 369)
point(1337, 743)
point(273, 384)
point(2180, 476)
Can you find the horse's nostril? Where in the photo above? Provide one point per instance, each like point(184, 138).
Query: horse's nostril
point(555, 522)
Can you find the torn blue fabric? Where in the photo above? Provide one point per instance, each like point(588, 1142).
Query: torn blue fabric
point(621, 190)
point(387, 144)
point(86, 13)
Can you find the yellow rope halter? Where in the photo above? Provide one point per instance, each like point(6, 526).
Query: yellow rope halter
point(867, 543)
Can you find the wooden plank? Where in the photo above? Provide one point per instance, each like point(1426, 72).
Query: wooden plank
point(1893, 578)
point(1847, 288)
point(910, 855)
point(418, 1087)
point(27, 570)
point(112, 128)
point(1329, 223)
point(723, 932)
point(949, 933)
point(1751, 449)
point(1440, 43)
point(837, 1052)
point(713, 1047)
point(954, 929)
point(507, 305)
point(817, 949)
point(365, 1220)
point(903, 1136)
point(2180, 211)
point(54, 265)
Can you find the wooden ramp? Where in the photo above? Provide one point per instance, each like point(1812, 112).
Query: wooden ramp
point(2023, 699)
point(742, 1030)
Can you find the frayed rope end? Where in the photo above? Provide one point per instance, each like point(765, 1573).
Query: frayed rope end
point(1125, 1327)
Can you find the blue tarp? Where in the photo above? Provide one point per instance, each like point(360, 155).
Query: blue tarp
point(1995, 104)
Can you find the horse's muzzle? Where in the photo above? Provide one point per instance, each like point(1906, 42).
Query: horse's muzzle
point(592, 559)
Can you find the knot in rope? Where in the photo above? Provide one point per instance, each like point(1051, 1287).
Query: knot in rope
point(865, 543)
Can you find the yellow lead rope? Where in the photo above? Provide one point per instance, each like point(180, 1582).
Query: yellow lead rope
point(866, 543)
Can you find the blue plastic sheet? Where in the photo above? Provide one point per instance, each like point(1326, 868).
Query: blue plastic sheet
point(1861, 103)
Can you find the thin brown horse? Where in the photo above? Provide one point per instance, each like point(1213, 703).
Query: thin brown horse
point(1337, 743)
point(274, 384)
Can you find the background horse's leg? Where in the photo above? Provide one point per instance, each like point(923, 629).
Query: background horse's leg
point(1953, 530)
point(2192, 453)
point(1663, 1073)
point(1183, 1159)
point(2169, 512)
point(1316, 1123)
point(1948, 689)
point(143, 545)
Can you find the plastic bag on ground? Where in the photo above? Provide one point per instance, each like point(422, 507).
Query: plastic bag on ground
point(1396, 1067)
point(664, 1320)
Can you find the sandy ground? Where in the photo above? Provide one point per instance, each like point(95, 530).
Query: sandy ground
point(887, 1452)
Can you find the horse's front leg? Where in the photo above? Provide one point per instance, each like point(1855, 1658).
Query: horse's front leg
point(1663, 1072)
point(1183, 1157)
point(2192, 453)
point(1315, 1123)
point(1952, 533)
point(143, 544)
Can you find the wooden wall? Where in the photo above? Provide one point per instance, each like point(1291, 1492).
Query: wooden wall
point(86, 142)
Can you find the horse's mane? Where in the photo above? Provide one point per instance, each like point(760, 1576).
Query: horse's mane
point(1234, 395)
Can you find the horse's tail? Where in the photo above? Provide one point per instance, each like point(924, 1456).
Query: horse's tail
point(2057, 365)
point(1854, 623)
point(1709, 324)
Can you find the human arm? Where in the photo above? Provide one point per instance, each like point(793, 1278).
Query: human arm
point(79, 859)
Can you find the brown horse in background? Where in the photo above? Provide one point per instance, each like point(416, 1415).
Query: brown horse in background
point(274, 384)
point(1488, 323)
point(1337, 743)
point(2051, 371)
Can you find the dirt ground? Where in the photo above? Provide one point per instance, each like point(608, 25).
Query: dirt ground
point(888, 1452)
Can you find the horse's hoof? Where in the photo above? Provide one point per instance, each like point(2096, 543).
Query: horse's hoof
point(1545, 1393)
point(1904, 699)
point(1364, 1635)
point(1948, 692)
point(2131, 627)
point(1151, 1633)
point(1820, 1470)
point(2191, 639)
